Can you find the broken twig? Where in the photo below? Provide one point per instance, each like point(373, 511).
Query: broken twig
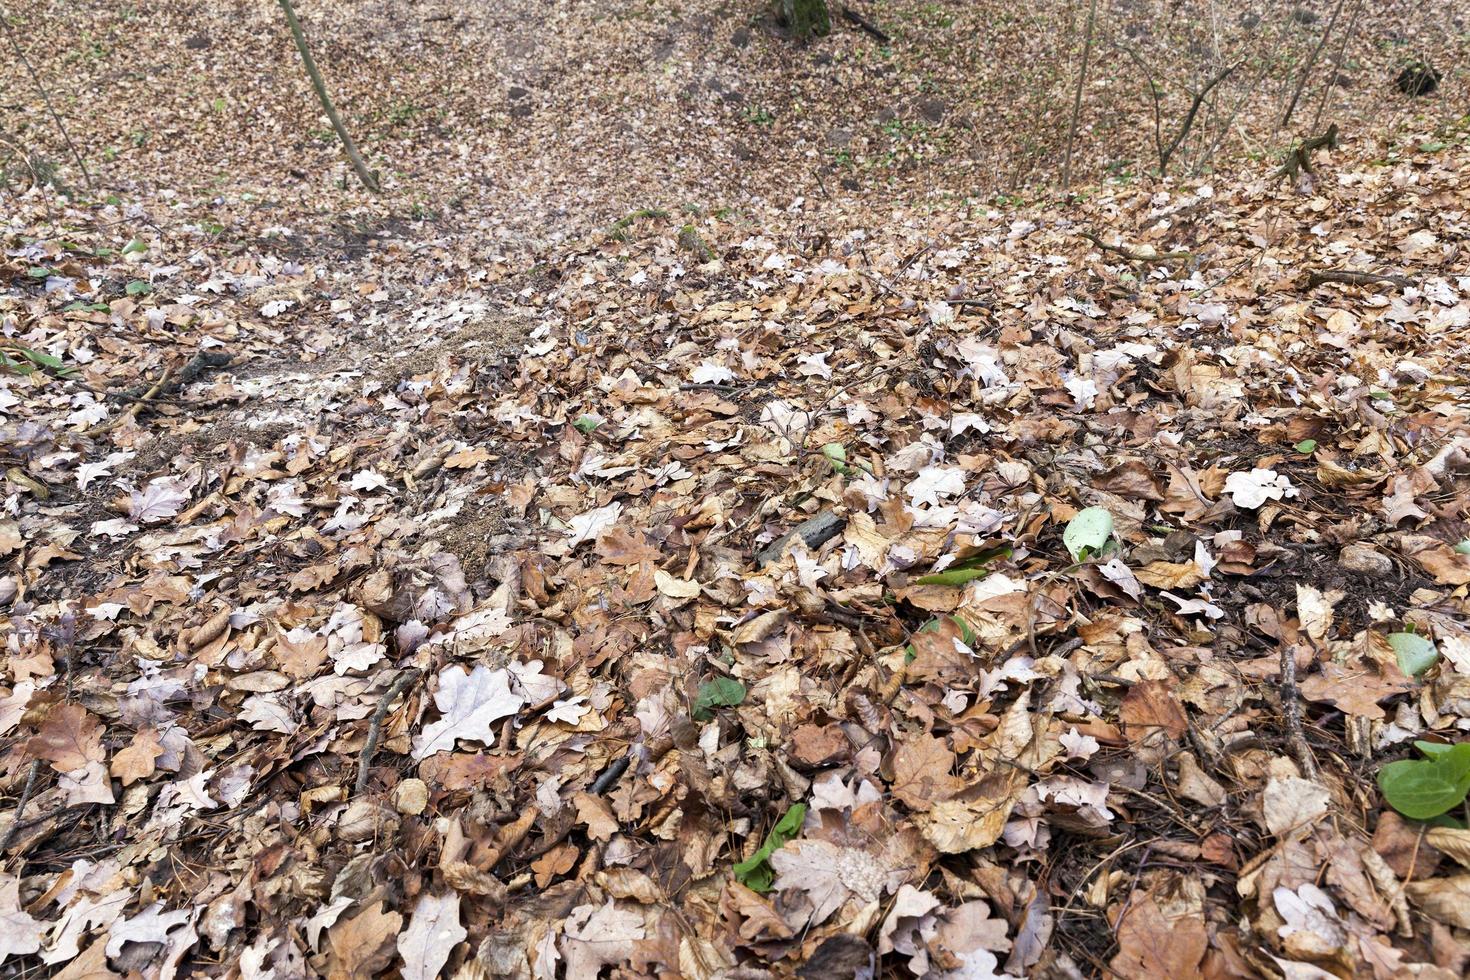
point(815, 532)
point(858, 19)
point(1135, 255)
point(375, 727)
point(1356, 278)
point(25, 797)
point(1291, 707)
point(1301, 158)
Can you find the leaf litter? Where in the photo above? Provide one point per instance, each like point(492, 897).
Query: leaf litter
point(489, 531)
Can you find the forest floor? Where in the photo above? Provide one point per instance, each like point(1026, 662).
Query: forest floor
point(406, 583)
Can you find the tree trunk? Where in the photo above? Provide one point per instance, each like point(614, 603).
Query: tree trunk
point(804, 18)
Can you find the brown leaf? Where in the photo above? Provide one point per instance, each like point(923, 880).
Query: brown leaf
point(554, 863)
point(1403, 847)
point(1437, 558)
point(363, 945)
point(1152, 707)
point(1445, 899)
point(69, 738)
point(1356, 690)
point(922, 772)
point(1152, 945)
point(818, 745)
point(135, 760)
point(1131, 479)
point(1170, 575)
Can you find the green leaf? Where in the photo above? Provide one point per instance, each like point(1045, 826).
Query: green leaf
point(1087, 532)
point(1463, 548)
point(1306, 447)
point(84, 306)
point(134, 246)
point(38, 358)
point(953, 576)
point(1433, 146)
point(1432, 749)
point(755, 872)
point(1415, 653)
point(38, 272)
point(722, 692)
point(1424, 788)
point(587, 423)
point(138, 287)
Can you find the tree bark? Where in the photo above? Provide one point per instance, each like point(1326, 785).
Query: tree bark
point(805, 18)
point(1077, 98)
point(368, 178)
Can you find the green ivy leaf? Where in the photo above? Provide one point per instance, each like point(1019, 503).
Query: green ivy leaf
point(755, 872)
point(1425, 788)
point(1087, 532)
point(1306, 447)
point(587, 423)
point(722, 692)
point(137, 287)
point(136, 245)
point(1416, 653)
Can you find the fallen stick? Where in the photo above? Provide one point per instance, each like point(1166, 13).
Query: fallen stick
point(1133, 255)
point(1355, 278)
point(198, 364)
point(815, 531)
point(1301, 158)
point(375, 726)
point(131, 412)
point(856, 18)
point(25, 797)
point(1291, 707)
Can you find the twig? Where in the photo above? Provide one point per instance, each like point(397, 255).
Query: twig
point(368, 178)
point(36, 80)
point(815, 532)
point(1291, 707)
point(1301, 158)
point(1133, 255)
point(1184, 127)
point(25, 797)
point(198, 364)
point(1356, 278)
point(1301, 82)
point(375, 727)
point(609, 777)
point(1077, 96)
point(131, 412)
point(867, 25)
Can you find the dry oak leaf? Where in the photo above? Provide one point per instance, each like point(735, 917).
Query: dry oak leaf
point(956, 826)
point(1445, 899)
point(20, 934)
point(470, 704)
point(1152, 706)
point(1437, 558)
point(922, 772)
point(1152, 945)
point(817, 745)
point(596, 814)
point(431, 936)
point(136, 760)
point(828, 875)
point(69, 738)
point(362, 946)
point(1356, 690)
point(1170, 575)
point(600, 935)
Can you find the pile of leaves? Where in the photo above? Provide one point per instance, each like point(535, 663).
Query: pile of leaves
point(385, 603)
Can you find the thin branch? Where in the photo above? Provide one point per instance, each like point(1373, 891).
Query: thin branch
point(1291, 705)
point(1077, 96)
point(375, 727)
point(867, 25)
point(25, 797)
point(1301, 83)
point(1135, 255)
point(1153, 91)
point(132, 410)
point(36, 80)
point(1188, 124)
point(1301, 158)
point(368, 178)
point(1356, 278)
